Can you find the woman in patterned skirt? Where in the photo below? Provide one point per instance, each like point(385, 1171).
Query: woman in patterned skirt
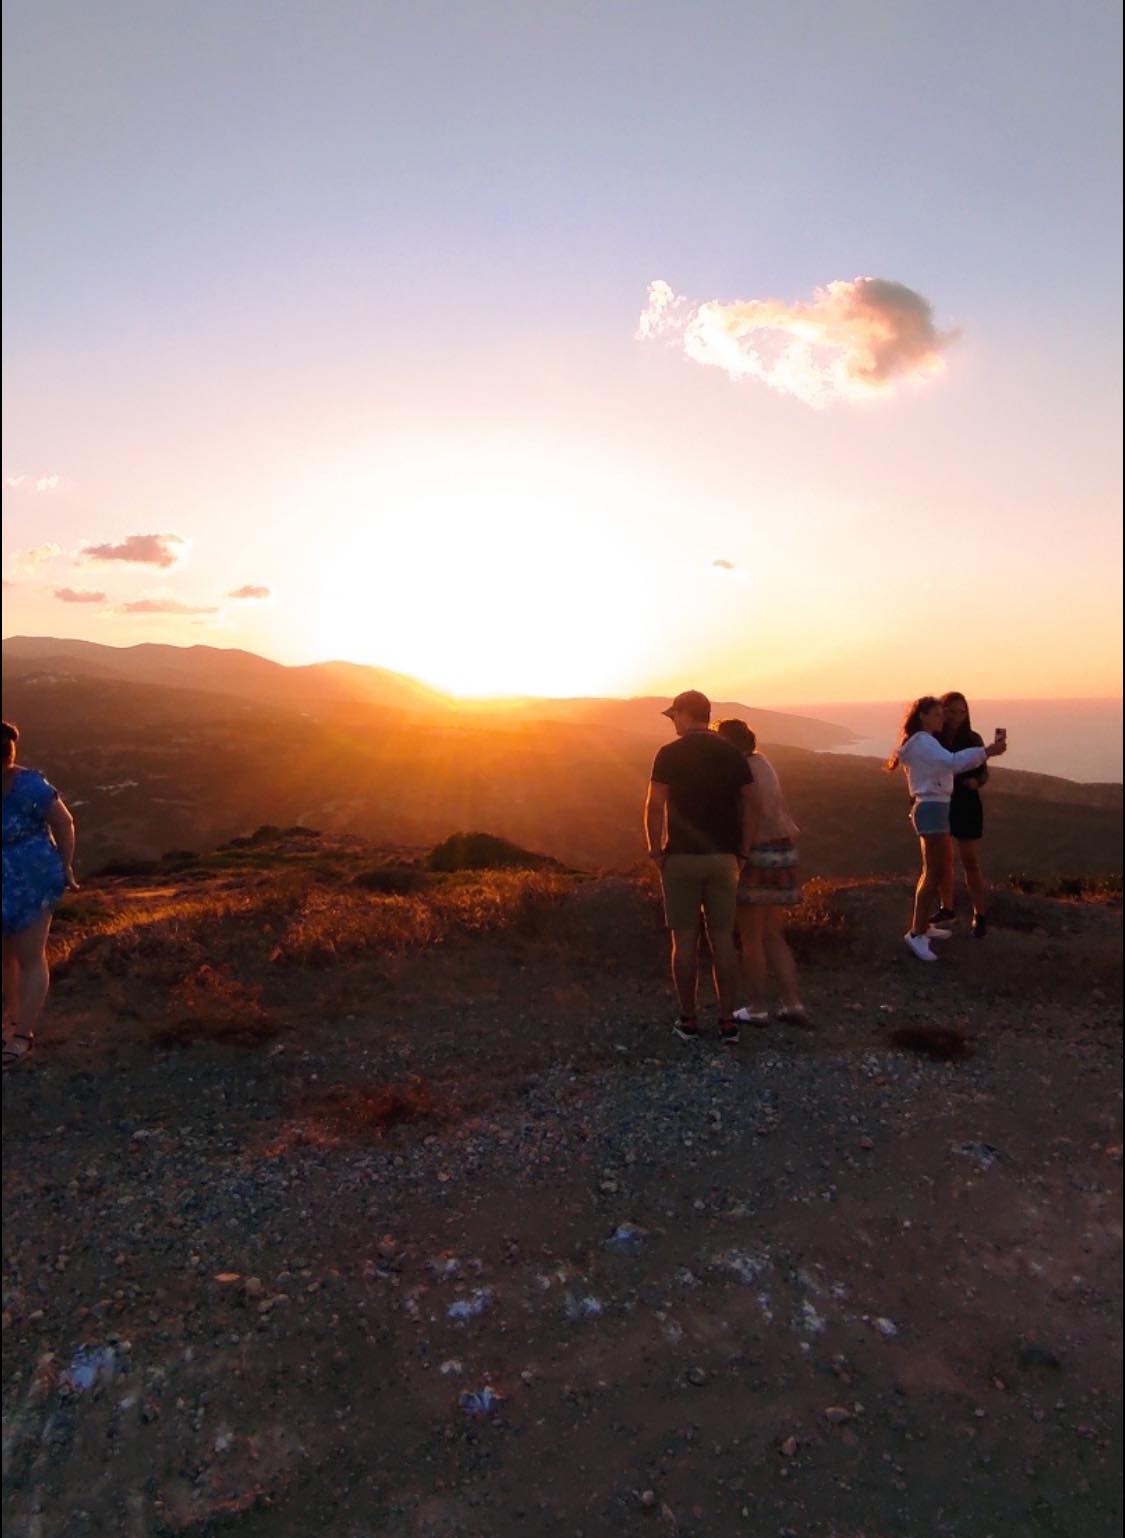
point(769, 887)
point(38, 869)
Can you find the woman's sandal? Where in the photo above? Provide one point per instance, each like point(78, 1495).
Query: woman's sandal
point(17, 1046)
point(797, 1015)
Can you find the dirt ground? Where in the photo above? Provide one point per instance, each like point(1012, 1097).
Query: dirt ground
point(485, 1251)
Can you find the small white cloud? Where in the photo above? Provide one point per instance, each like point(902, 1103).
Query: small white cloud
point(37, 483)
point(37, 555)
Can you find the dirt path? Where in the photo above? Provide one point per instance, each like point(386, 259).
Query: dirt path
point(572, 1277)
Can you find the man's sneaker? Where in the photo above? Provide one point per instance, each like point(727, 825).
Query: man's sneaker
point(687, 1030)
point(728, 1032)
point(980, 926)
point(920, 946)
point(751, 1017)
point(944, 917)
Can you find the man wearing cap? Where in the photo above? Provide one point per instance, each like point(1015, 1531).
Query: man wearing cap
point(700, 816)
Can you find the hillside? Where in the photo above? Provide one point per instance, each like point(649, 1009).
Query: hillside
point(402, 1213)
point(150, 768)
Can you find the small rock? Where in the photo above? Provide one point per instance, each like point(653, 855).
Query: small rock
point(648, 1499)
point(788, 1448)
point(696, 1377)
point(837, 1414)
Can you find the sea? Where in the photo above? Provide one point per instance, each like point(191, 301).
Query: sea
point(1076, 739)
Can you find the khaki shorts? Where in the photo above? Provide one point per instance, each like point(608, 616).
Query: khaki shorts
point(695, 882)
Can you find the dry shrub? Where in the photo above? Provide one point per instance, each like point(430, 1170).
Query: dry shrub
point(329, 926)
point(211, 1005)
point(362, 1113)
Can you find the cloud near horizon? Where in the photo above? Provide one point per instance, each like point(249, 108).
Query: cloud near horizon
point(161, 550)
point(853, 340)
point(78, 595)
point(165, 606)
point(37, 555)
point(249, 590)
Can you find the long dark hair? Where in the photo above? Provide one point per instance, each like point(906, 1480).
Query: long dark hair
point(911, 723)
point(738, 734)
point(960, 738)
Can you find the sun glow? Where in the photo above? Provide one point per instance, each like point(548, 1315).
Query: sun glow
point(491, 575)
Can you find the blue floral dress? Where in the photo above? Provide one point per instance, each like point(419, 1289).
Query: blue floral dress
point(34, 878)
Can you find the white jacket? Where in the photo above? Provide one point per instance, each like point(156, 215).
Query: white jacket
point(930, 768)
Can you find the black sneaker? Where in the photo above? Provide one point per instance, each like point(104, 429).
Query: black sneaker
point(728, 1032)
point(943, 917)
point(980, 926)
point(687, 1030)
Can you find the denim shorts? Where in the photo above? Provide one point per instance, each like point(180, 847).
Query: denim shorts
point(930, 818)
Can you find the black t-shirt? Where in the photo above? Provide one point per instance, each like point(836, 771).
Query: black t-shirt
point(966, 739)
point(704, 774)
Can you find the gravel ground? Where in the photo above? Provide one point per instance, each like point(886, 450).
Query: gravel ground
point(574, 1277)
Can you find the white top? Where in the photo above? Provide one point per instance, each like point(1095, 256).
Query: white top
point(930, 768)
point(775, 821)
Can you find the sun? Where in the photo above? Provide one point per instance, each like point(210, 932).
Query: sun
point(489, 573)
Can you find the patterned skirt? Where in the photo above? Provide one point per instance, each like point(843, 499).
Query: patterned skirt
point(771, 877)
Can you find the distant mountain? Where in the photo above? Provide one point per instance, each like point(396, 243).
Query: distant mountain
point(219, 670)
point(247, 676)
point(153, 767)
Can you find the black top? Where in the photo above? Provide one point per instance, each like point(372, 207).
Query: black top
point(704, 774)
point(966, 739)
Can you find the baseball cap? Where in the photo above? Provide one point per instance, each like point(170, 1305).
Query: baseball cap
point(692, 703)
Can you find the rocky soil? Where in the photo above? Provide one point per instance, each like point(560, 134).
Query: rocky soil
point(489, 1253)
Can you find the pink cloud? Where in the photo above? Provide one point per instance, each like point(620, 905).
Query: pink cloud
point(162, 550)
point(165, 606)
point(249, 591)
point(854, 339)
point(78, 595)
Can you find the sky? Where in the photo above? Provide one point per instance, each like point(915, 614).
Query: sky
point(529, 348)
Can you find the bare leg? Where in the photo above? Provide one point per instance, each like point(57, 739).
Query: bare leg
point(974, 876)
point(726, 971)
point(685, 969)
point(751, 927)
point(935, 858)
point(780, 958)
point(948, 879)
point(11, 981)
point(30, 947)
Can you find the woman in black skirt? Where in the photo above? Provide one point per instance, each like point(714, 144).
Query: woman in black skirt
point(966, 816)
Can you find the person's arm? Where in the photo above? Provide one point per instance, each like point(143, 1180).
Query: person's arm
point(61, 823)
point(750, 808)
point(925, 746)
point(655, 804)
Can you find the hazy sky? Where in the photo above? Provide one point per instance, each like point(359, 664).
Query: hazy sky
point(343, 299)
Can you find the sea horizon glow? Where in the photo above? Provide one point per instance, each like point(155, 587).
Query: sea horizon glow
point(347, 365)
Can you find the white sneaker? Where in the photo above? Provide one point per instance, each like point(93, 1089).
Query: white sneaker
point(920, 945)
point(935, 932)
point(749, 1017)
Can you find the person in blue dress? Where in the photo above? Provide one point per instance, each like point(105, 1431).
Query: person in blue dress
point(38, 869)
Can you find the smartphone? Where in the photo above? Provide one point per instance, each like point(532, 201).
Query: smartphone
point(1002, 733)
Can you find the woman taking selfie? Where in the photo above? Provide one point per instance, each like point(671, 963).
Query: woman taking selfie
point(966, 816)
point(930, 771)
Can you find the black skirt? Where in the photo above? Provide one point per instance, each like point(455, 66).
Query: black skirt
point(966, 814)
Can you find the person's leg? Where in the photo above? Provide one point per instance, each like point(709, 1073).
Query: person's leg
point(751, 927)
point(935, 857)
point(30, 947)
point(720, 906)
point(780, 957)
point(969, 849)
point(948, 882)
point(11, 981)
point(685, 969)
